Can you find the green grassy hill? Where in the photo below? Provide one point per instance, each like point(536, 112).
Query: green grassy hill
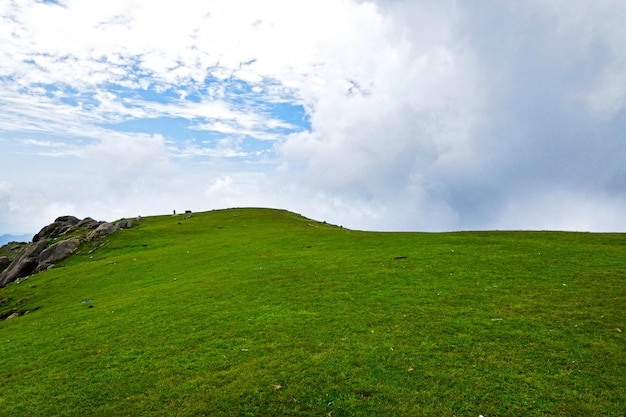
point(256, 312)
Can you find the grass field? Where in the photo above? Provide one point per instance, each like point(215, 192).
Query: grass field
point(256, 312)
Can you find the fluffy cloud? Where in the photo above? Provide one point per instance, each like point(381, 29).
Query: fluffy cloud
point(382, 141)
point(478, 111)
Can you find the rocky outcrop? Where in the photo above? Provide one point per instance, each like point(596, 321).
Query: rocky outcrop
point(64, 225)
point(56, 253)
point(60, 226)
point(25, 264)
point(44, 252)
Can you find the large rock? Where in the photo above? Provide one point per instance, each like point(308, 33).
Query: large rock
point(67, 219)
point(25, 264)
point(61, 226)
point(4, 262)
point(50, 231)
point(88, 223)
point(125, 224)
point(103, 230)
point(56, 253)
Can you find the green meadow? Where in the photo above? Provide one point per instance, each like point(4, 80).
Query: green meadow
point(259, 312)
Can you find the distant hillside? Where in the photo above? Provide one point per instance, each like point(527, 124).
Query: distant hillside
point(15, 238)
point(258, 312)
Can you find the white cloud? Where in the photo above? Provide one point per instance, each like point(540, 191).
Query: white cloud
point(222, 192)
point(381, 141)
point(561, 209)
point(225, 148)
point(592, 33)
point(125, 154)
point(42, 143)
point(6, 191)
point(87, 46)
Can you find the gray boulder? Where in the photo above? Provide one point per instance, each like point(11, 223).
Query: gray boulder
point(59, 227)
point(50, 231)
point(25, 264)
point(68, 220)
point(88, 223)
point(56, 253)
point(4, 262)
point(101, 231)
point(125, 224)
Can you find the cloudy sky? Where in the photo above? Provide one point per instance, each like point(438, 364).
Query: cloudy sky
point(379, 115)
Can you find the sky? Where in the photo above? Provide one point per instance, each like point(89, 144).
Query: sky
point(390, 115)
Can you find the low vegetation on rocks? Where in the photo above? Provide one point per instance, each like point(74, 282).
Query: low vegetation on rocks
point(257, 312)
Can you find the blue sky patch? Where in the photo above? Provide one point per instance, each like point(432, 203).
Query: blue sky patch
point(293, 114)
point(169, 127)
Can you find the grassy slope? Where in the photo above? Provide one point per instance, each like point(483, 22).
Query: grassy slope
point(264, 312)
